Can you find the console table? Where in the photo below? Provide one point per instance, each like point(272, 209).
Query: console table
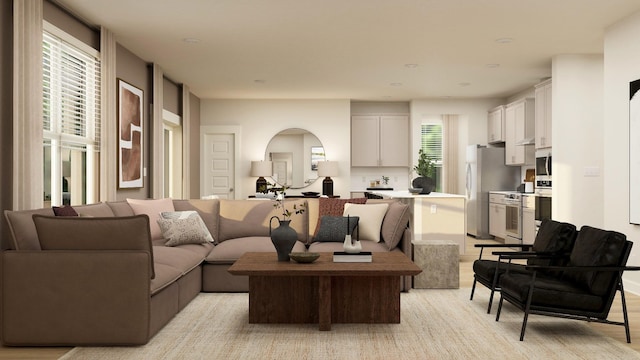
point(324, 292)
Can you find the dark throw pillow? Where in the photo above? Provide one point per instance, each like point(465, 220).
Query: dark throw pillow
point(64, 211)
point(334, 228)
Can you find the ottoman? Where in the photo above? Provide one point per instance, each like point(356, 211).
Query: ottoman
point(439, 261)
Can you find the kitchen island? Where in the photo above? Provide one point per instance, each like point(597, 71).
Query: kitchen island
point(437, 216)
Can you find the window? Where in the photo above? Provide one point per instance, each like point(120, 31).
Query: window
point(431, 144)
point(71, 119)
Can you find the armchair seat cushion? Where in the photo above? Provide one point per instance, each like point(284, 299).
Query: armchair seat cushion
point(486, 269)
point(550, 291)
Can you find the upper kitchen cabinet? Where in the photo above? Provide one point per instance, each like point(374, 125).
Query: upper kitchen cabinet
point(496, 121)
point(543, 115)
point(520, 130)
point(380, 140)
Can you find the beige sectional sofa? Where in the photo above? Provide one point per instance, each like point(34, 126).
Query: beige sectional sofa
point(102, 279)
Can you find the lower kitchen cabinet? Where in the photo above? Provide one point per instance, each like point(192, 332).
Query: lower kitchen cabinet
point(497, 220)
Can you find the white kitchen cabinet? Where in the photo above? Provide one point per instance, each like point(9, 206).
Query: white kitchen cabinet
point(495, 123)
point(543, 115)
point(380, 140)
point(520, 128)
point(497, 220)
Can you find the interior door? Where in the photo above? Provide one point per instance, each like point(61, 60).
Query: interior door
point(218, 165)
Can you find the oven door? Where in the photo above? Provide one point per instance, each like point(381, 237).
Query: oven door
point(513, 228)
point(543, 208)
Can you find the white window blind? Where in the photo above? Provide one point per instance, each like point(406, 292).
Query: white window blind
point(431, 141)
point(71, 120)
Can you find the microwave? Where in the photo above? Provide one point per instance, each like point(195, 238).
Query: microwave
point(543, 169)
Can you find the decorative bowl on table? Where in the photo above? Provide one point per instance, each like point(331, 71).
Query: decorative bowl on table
point(310, 194)
point(415, 190)
point(304, 257)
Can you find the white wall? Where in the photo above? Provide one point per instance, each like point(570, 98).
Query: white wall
point(621, 66)
point(577, 115)
point(472, 125)
point(260, 120)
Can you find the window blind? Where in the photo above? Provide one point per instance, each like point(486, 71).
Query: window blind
point(71, 94)
point(431, 141)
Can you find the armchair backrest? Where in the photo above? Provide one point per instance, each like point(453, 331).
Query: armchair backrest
point(554, 237)
point(597, 247)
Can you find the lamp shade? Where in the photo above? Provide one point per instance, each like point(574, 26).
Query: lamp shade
point(261, 168)
point(327, 168)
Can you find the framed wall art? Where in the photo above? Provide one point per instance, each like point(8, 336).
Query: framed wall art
point(634, 152)
point(130, 135)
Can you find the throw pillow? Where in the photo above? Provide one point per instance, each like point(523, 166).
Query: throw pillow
point(152, 208)
point(394, 223)
point(371, 216)
point(66, 210)
point(183, 231)
point(333, 207)
point(178, 215)
point(334, 228)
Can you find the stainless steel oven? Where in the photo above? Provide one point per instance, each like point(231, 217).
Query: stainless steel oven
point(543, 207)
point(543, 169)
point(513, 214)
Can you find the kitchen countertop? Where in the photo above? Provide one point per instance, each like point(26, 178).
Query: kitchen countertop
point(405, 194)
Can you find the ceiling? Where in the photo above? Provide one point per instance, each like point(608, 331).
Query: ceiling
point(374, 50)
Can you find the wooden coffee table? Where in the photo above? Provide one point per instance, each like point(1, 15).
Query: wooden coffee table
point(324, 292)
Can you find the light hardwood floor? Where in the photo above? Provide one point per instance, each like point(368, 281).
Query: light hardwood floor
point(466, 280)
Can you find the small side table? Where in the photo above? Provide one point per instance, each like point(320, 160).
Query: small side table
point(439, 261)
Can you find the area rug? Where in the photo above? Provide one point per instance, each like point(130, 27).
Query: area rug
point(435, 324)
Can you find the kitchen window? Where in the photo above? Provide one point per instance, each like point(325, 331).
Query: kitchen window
point(71, 119)
point(431, 144)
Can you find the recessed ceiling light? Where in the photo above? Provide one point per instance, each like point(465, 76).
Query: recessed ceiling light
point(504, 40)
point(411, 66)
point(464, 84)
point(492, 66)
point(396, 84)
point(191, 40)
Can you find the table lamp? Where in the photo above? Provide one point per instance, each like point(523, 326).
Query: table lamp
point(261, 169)
point(327, 169)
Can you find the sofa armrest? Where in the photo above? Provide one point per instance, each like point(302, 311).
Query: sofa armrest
point(71, 297)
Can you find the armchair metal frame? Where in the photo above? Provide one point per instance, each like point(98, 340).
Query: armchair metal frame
point(575, 314)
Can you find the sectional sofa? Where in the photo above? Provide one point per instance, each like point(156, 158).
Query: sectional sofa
point(110, 277)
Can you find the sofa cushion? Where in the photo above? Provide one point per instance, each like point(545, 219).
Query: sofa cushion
point(336, 246)
point(229, 251)
point(394, 223)
point(209, 211)
point(246, 218)
point(335, 228)
point(94, 233)
point(152, 208)
point(596, 247)
point(181, 259)
point(23, 230)
point(165, 276)
point(187, 230)
point(371, 216)
point(120, 208)
point(333, 207)
point(96, 210)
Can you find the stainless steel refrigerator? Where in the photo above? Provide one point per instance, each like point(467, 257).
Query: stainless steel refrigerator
point(486, 172)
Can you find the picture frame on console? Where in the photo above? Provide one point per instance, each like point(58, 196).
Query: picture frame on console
point(130, 135)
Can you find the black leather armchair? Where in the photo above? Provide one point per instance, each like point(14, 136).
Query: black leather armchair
point(551, 247)
point(583, 289)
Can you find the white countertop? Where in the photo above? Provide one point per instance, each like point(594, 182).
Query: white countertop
point(405, 194)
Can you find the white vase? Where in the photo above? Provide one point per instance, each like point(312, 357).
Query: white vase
point(350, 247)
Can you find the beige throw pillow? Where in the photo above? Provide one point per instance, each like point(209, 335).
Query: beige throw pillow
point(152, 208)
point(371, 216)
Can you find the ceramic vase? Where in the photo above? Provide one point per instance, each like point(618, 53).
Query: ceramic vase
point(425, 183)
point(283, 238)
